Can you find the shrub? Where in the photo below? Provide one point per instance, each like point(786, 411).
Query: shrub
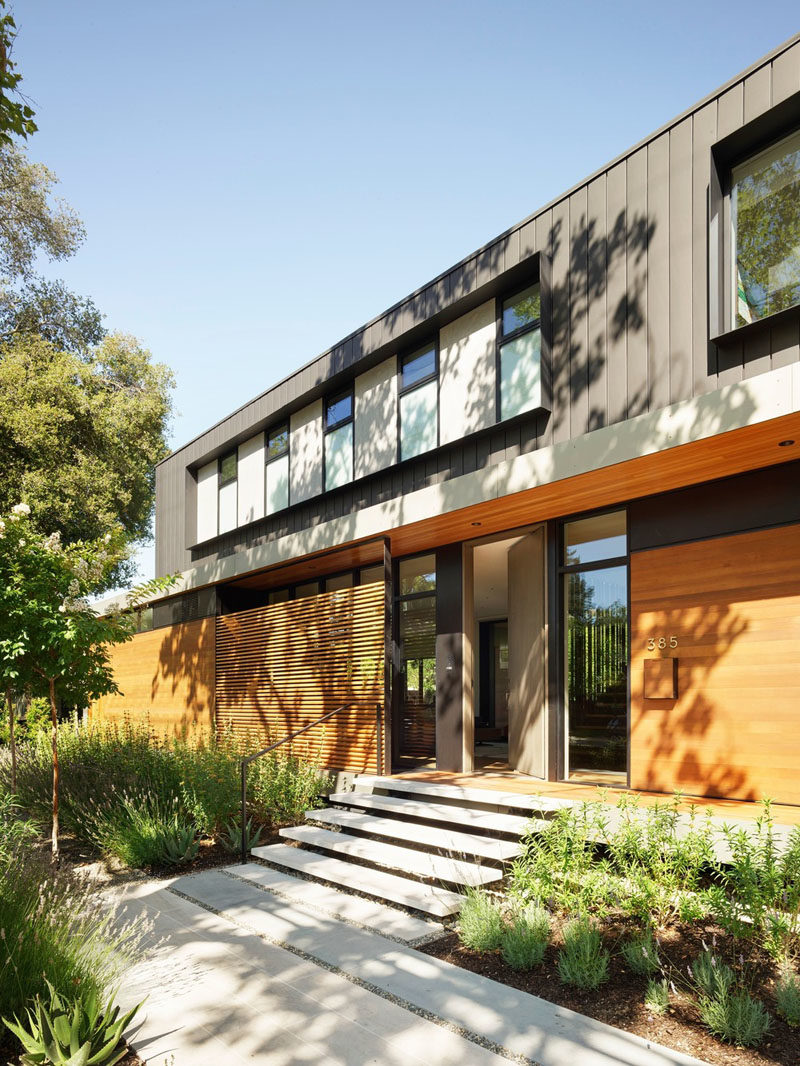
point(72, 1032)
point(736, 1017)
point(656, 998)
point(524, 942)
point(712, 976)
point(641, 954)
point(583, 961)
point(15, 832)
point(282, 788)
point(480, 925)
point(787, 997)
point(141, 832)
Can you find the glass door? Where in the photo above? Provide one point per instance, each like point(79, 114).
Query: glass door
point(595, 569)
point(416, 636)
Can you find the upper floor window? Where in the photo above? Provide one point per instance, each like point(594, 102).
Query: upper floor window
point(419, 402)
point(520, 353)
point(765, 229)
point(228, 492)
point(338, 440)
point(277, 469)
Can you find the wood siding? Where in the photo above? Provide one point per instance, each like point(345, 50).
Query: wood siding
point(733, 605)
point(166, 678)
point(280, 667)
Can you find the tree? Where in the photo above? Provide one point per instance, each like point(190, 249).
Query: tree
point(49, 632)
point(80, 436)
point(48, 309)
point(16, 115)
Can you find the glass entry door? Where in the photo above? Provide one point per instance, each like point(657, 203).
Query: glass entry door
point(595, 568)
point(416, 636)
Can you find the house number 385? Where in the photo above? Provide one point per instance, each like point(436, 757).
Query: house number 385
point(661, 643)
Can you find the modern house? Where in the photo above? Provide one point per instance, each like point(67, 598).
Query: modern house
point(541, 515)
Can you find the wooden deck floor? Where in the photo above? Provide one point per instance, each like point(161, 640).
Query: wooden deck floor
point(509, 781)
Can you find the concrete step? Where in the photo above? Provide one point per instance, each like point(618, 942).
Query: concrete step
point(483, 798)
point(511, 825)
point(333, 903)
point(416, 863)
point(427, 899)
point(438, 839)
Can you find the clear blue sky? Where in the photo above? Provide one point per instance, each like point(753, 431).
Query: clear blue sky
point(257, 179)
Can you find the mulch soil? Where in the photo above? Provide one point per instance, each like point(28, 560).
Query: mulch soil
point(620, 1002)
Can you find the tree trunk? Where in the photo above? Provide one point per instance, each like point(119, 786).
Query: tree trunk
point(12, 743)
point(54, 720)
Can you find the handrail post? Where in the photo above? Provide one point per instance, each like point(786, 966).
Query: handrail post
point(378, 738)
point(244, 810)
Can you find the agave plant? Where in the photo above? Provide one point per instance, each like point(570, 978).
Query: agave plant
point(231, 837)
point(78, 1032)
point(179, 844)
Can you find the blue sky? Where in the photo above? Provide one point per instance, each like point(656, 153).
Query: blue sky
point(257, 179)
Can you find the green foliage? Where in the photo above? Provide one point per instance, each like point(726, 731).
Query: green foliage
point(141, 831)
point(16, 116)
point(54, 928)
point(641, 954)
point(757, 894)
point(787, 997)
point(36, 721)
point(656, 997)
point(15, 831)
point(525, 940)
point(712, 976)
point(48, 309)
point(282, 787)
point(583, 961)
point(72, 1032)
point(737, 1017)
point(231, 837)
point(480, 922)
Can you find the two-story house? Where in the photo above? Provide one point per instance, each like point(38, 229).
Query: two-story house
point(541, 515)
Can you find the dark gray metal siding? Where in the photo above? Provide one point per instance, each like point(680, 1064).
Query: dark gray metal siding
point(628, 251)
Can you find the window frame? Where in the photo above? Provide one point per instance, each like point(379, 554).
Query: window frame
point(332, 398)
point(223, 484)
point(282, 426)
point(503, 339)
point(744, 144)
point(406, 357)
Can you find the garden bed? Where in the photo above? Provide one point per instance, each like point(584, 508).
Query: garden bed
point(620, 1001)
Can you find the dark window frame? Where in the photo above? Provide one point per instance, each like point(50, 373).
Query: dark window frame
point(505, 338)
point(282, 426)
point(406, 357)
point(335, 397)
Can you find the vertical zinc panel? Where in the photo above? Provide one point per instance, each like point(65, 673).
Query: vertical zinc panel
point(680, 261)
point(559, 248)
point(578, 326)
point(636, 304)
point(786, 74)
point(704, 133)
point(757, 93)
point(658, 339)
point(730, 115)
point(597, 294)
point(616, 296)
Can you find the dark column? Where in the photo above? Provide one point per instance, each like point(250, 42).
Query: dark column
point(449, 659)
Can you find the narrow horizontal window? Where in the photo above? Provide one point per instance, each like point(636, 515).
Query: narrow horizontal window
point(277, 442)
point(417, 368)
point(524, 309)
point(417, 574)
point(339, 582)
point(371, 574)
point(338, 410)
point(588, 540)
point(227, 468)
point(302, 592)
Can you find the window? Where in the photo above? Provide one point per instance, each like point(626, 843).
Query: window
point(277, 470)
point(338, 441)
point(416, 635)
point(519, 371)
point(765, 233)
point(339, 582)
point(227, 497)
point(419, 402)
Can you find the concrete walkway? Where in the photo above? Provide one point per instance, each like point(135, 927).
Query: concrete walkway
point(235, 973)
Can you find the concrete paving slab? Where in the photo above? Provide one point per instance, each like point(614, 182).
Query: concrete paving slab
point(514, 825)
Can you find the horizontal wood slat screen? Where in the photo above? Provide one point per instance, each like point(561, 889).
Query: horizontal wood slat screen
point(166, 678)
point(282, 666)
point(732, 606)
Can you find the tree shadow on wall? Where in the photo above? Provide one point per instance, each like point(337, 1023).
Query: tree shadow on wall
point(184, 678)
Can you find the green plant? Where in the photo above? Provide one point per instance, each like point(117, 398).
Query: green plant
point(712, 976)
point(736, 1017)
point(480, 924)
point(656, 997)
point(180, 844)
point(15, 832)
point(231, 838)
point(282, 787)
point(641, 954)
point(787, 997)
point(524, 942)
point(76, 1032)
point(583, 961)
point(142, 832)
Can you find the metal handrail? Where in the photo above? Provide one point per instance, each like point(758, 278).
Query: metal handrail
point(247, 759)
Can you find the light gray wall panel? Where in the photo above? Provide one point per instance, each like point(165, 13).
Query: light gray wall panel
point(786, 74)
point(680, 260)
point(375, 440)
point(636, 294)
point(658, 272)
point(616, 294)
point(578, 280)
point(305, 453)
point(597, 263)
point(559, 244)
point(251, 479)
point(207, 488)
point(467, 376)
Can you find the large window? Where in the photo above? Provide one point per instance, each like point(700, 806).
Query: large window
point(765, 229)
point(419, 402)
point(595, 575)
point(519, 369)
point(338, 440)
point(277, 470)
point(228, 492)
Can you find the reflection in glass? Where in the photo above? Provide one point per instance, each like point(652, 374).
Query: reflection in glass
point(418, 421)
point(278, 484)
point(522, 309)
point(597, 669)
point(765, 219)
point(418, 367)
point(338, 410)
point(589, 540)
point(417, 574)
point(278, 442)
point(520, 374)
point(417, 640)
point(339, 457)
point(227, 468)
